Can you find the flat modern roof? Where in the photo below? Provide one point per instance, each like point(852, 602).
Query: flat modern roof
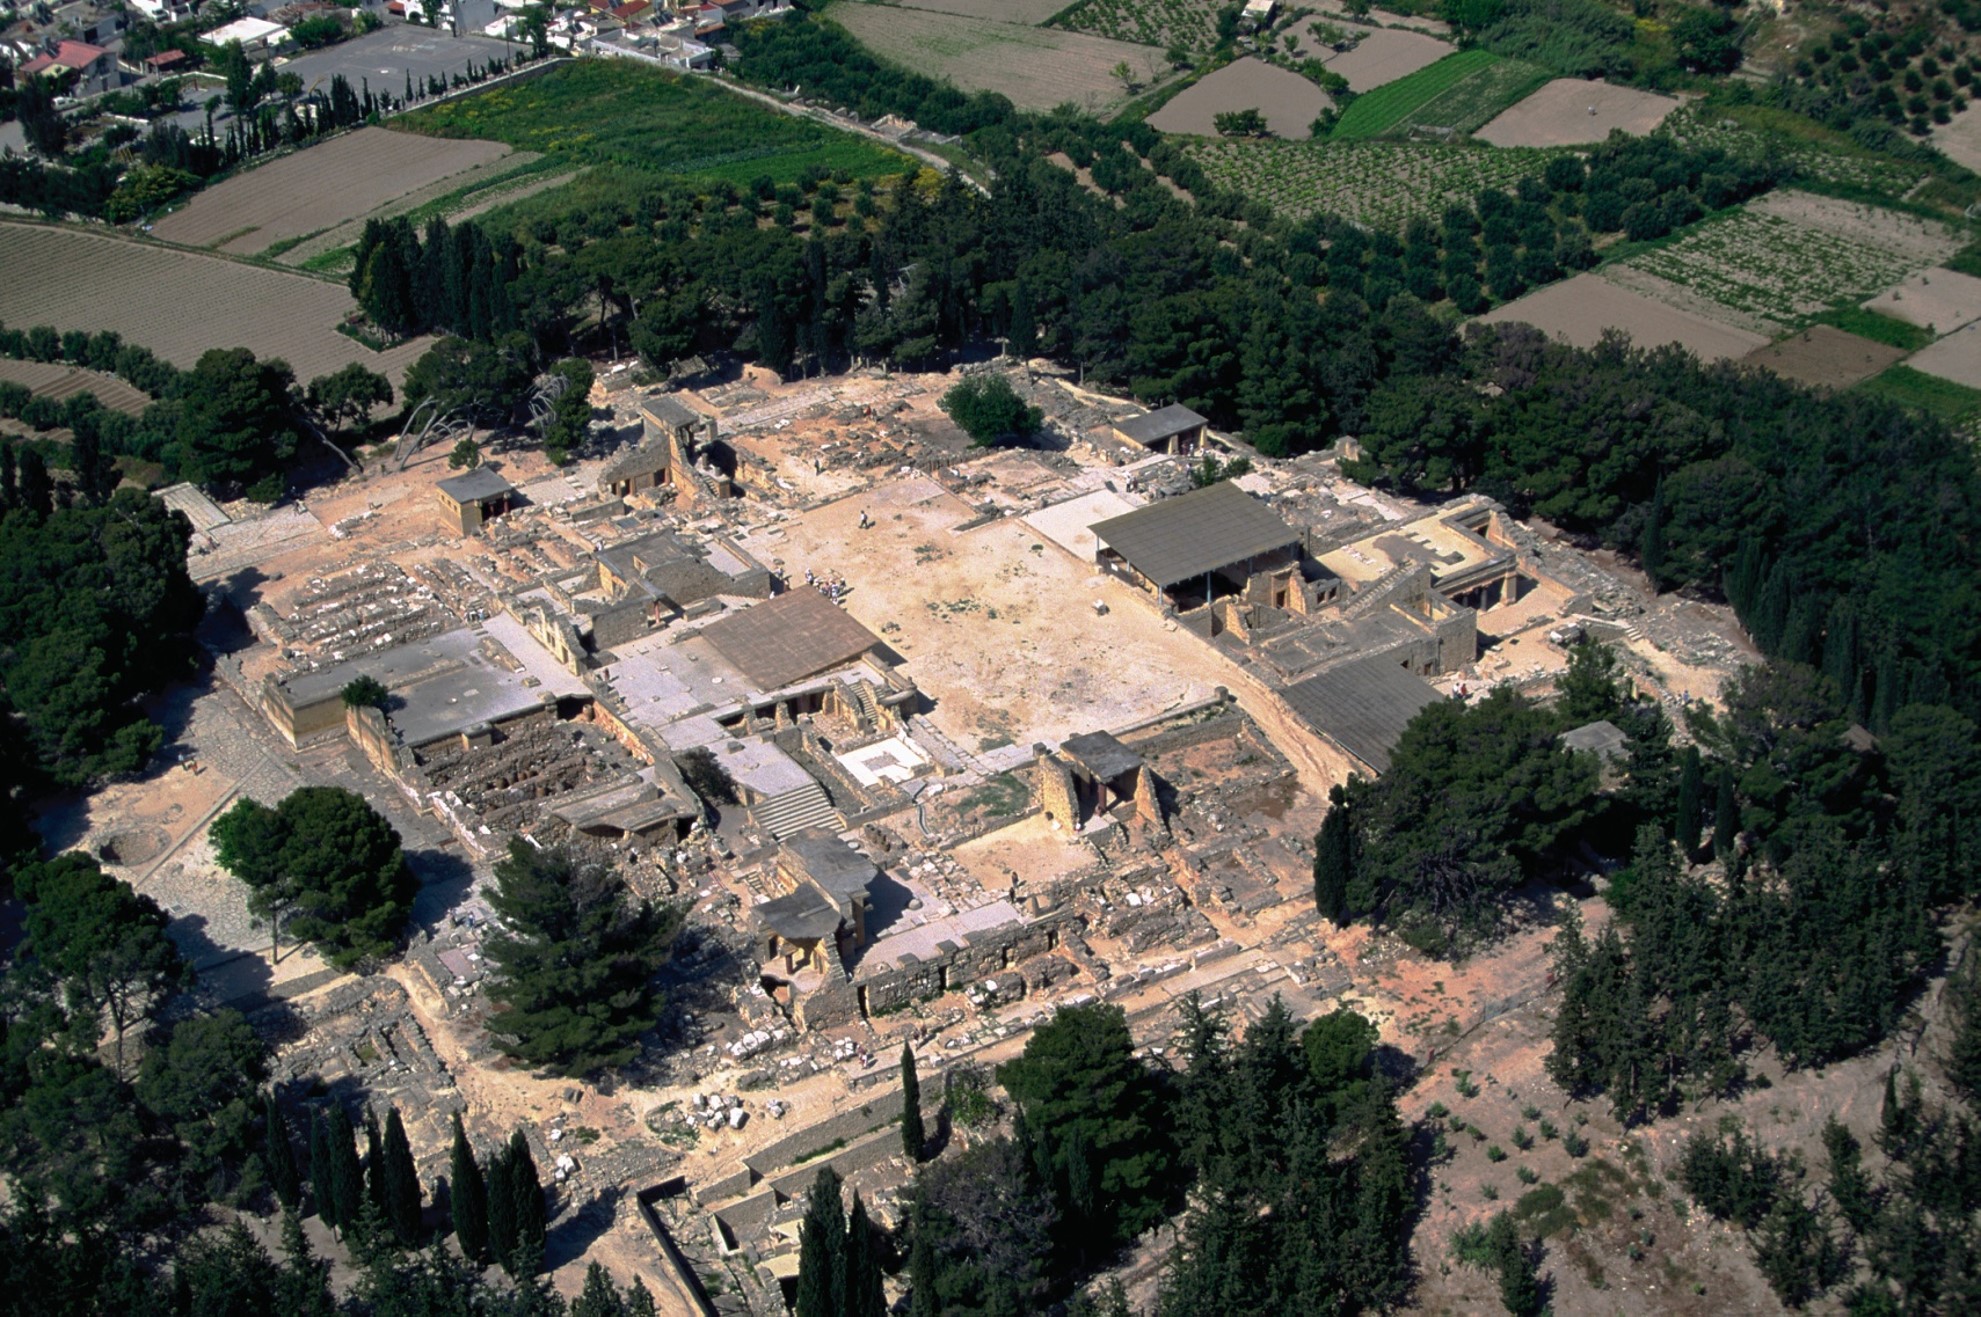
point(478, 484)
point(1186, 536)
point(1102, 755)
point(831, 862)
point(670, 410)
point(786, 639)
point(1362, 706)
point(805, 915)
point(1164, 423)
point(1602, 738)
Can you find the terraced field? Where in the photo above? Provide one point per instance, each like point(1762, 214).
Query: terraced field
point(1380, 184)
point(1191, 24)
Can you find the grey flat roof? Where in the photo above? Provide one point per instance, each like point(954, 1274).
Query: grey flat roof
point(454, 701)
point(1362, 706)
point(669, 410)
point(804, 915)
point(1166, 423)
point(830, 862)
point(394, 667)
point(789, 638)
point(1102, 755)
point(1191, 534)
point(475, 486)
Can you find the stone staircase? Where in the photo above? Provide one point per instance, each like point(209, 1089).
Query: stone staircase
point(795, 810)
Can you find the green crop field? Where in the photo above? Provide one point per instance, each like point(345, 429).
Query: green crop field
point(1954, 403)
point(604, 111)
point(1473, 101)
point(1383, 109)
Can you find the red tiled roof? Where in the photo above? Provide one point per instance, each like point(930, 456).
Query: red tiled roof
point(632, 10)
point(39, 64)
point(77, 54)
point(165, 59)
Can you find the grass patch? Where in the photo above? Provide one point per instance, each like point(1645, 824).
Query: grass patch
point(1002, 796)
point(820, 1151)
point(1878, 328)
point(1966, 261)
point(1953, 403)
point(1376, 112)
point(620, 113)
point(1544, 1212)
point(338, 260)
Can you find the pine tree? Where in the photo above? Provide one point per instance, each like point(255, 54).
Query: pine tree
point(322, 1170)
point(501, 1209)
point(402, 1182)
point(347, 1180)
point(600, 1297)
point(527, 1188)
point(469, 1197)
point(822, 1249)
point(639, 1300)
point(864, 1294)
point(1691, 787)
point(913, 1136)
point(279, 1155)
point(1334, 860)
point(303, 1287)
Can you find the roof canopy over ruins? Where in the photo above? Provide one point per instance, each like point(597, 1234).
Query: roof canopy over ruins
point(1182, 538)
point(789, 638)
point(1362, 706)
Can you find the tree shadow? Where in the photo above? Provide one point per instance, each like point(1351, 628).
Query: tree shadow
point(226, 975)
point(575, 1232)
point(445, 879)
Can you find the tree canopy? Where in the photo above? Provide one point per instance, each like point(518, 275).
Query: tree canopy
point(576, 960)
point(323, 862)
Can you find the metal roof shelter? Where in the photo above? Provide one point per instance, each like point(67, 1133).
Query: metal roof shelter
point(789, 638)
point(1602, 738)
point(1362, 706)
point(670, 411)
point(1166, 423)
point(478, 485)
point(830, 862)
point(1102, 755)
point(805, 915)
point(1195, 534)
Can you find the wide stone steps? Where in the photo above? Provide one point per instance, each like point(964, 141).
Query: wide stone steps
point(795, 810)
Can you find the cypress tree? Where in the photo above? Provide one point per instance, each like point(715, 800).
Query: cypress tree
point(1726, 817)
point(1691, 785)
point(470, 1199)
point(639, 1300)
point(1651, 551)
point(402, 1181)
point(501, 1208)
point(9, 481)
point(600, 1297)
point(527, 1189)
point(822, 1250)
point(375, 1166)
point(283, 1176)
point(913, 1136)
point(37, 490)
point(347, 1181)
point(864, 1295)
point(322, 1173)
point(1334, 860)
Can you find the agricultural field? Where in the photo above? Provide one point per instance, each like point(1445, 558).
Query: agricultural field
point(610, 111)
point(1577, 112)
point(1382, 56)
point(1030, 12)
point(1957, 357)
point(1438, 96)
point(1826, 355)
point(1380, 184)
point(180, 303)
point(1785, 257)
point(1470, 104)
point(297, 195)
point(1191, 24)
point(1037, 68)
point(61, 381)
point(1939, 300)
point(1578, 311)
point(1815, 151)
point(1942, 395)
point(1960, 140)
point(1288, 101)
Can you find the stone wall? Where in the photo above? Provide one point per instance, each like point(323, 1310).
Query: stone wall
point(983, 954)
